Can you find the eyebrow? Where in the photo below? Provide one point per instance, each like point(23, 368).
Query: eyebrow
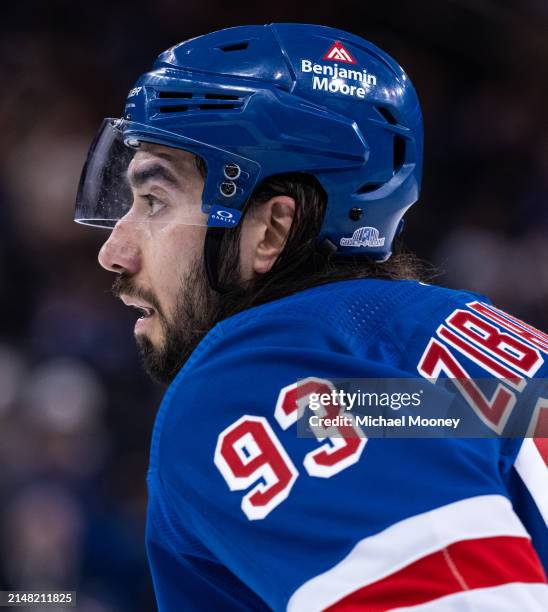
point(155, 171)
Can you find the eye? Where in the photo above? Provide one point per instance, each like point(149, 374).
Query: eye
point(154, 204)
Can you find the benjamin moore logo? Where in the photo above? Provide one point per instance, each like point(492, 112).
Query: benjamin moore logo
point(333, 78)
point(338, 53)
point(364, 236)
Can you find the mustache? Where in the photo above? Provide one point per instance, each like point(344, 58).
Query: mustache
point(125, 284)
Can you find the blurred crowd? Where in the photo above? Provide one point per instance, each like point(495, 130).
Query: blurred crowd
point(75, 409)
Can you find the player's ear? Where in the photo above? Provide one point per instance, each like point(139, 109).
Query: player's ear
point(264, 235)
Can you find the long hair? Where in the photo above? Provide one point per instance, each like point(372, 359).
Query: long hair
point(300, 265)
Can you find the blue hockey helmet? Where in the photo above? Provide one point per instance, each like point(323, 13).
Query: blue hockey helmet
point(258, 101)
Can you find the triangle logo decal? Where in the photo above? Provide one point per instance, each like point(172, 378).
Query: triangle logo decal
point(338, 53)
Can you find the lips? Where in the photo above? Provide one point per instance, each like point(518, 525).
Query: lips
point(142, 307)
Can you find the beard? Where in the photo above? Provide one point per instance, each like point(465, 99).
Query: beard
point(194, 314)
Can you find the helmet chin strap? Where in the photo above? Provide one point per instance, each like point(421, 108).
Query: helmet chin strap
point(212, 250)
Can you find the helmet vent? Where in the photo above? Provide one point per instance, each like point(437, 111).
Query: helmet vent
point(215, 96)
point(239, 46)
point(174, 94)
point(173, 109)
point(195, 101)
point(386, 114)
point(216, 106)
point(399, 152)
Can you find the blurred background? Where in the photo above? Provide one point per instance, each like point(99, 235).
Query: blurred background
point(75, 409)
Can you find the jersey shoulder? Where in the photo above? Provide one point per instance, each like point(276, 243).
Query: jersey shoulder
point(384, 321)
point(356, 312)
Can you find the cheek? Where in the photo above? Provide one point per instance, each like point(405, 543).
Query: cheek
point(175, 251)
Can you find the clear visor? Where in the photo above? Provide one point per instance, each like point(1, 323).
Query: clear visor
point(138, 181)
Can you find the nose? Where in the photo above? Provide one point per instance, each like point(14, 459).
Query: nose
point(120, 253)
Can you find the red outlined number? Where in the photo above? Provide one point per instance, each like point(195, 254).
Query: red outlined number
point(494, 412)
point(247, 451)
point(294, 399)
point(342, 450)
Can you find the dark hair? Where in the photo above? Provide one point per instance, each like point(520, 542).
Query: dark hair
point(300, 265)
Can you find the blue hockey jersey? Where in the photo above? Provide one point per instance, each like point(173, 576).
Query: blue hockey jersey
point(244, 514)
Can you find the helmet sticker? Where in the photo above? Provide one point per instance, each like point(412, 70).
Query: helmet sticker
point(337, 52)
point(333, 78)
point(364, 237)
point(223, 217)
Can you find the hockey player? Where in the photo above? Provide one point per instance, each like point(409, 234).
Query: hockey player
point(255, 188)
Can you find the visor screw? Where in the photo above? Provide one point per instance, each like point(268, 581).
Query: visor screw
point(228, 188)
point(355, 214)
point(128, 117)
point(232, 171)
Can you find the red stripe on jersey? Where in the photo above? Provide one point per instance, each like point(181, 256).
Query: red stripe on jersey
point(465, 565)
point(542, 445)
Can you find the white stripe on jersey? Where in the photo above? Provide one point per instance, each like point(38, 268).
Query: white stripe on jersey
point(384, 553)
point(532, 470)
